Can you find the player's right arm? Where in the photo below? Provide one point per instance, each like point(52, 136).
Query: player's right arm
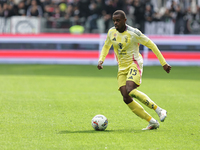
point(104, 52)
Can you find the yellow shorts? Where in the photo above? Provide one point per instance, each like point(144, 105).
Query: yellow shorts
point(132, 73)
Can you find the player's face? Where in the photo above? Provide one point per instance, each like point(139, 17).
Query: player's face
point(119, 23)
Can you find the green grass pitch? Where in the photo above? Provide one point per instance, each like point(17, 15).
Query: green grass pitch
point(50, 107)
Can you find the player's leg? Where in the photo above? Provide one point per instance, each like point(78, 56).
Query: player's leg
point(148, 102)
point(134, 106)
point(139, 110)
point(133, 81)
point(131, 88)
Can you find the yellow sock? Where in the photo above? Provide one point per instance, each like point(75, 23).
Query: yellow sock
point(139, 110)
point(143, 98)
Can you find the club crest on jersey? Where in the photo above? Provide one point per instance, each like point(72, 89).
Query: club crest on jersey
point(126, 39)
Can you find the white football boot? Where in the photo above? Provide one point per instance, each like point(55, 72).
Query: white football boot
point(162, 115)
point(152, 126)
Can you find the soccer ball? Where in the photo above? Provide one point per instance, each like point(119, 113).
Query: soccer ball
point(99, 122)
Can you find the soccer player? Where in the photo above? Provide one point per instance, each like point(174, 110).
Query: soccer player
point(126, 40)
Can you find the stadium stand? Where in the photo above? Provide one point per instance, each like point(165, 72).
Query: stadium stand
point(95, 15)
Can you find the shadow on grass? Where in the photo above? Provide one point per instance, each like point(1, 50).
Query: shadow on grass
point(105, 131)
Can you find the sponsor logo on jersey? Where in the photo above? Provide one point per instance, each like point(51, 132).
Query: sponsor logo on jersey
point(120, 45)
point(121, 51)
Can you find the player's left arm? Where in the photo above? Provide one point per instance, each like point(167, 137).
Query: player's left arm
point(167, 68)
point(144, 40)
point(151, 45)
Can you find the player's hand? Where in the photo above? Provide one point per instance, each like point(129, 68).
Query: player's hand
point(100, 65)
point(167, 68)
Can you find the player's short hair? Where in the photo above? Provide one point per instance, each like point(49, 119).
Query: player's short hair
point(120, 12)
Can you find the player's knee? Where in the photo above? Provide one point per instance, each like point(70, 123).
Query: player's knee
point(131, 91)
point(128, 89)
point(127, 99)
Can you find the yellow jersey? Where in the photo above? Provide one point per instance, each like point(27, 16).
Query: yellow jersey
point(126, 47)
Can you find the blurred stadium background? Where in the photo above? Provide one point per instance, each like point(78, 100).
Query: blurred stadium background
point(73, 31)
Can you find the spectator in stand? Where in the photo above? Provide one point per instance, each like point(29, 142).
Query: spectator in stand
point(149, 3)
point(63, 7)
point(179, 20)
point(21, 9)
point(157, 4)
point(74, 3)
point(169, 12)
point(57, 13)
point(7, 10)
point(69, 11)
point(128, 7)
point(148, 13)
point(76, 16)
point(51, 13)
point(46, 2)
point(2, 2)
point(48, 12)
point(139, 14)
point(34, 9)
point(172, 9)
point(95, 10)
point(109, 9)
point(119, 4)
point(55, 18)
point(129, 10)
point(166, 16)
point(1, 11)
point(12, 7)
point(193, 8)
point(74, 11)
point(83, 7)
point(28, 3)
point(192, 17)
